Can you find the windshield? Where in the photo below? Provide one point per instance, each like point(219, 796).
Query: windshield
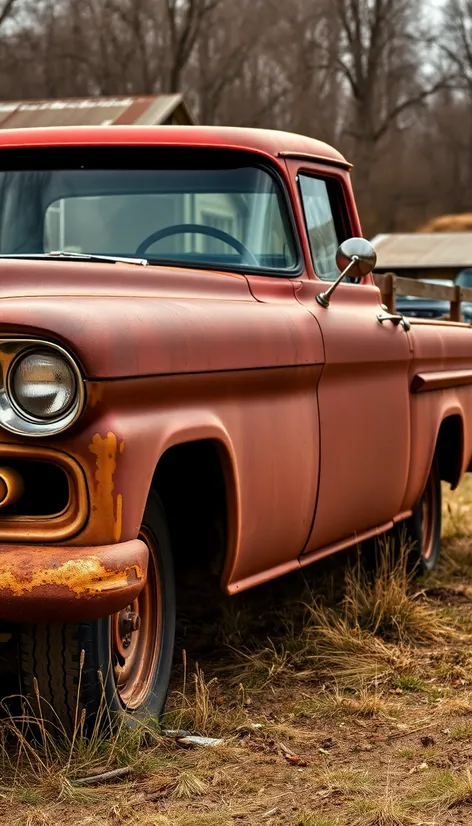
point(199, 213)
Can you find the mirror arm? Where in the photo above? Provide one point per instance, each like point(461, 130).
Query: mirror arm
point(325, 297)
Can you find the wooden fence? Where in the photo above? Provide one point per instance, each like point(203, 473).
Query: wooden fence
point(391, 285)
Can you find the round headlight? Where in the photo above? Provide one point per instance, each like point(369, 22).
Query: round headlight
point(42, 385)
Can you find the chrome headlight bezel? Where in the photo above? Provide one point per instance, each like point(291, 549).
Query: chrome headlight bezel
point(12, 415)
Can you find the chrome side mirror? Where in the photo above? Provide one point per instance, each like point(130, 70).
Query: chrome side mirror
point(355, 256)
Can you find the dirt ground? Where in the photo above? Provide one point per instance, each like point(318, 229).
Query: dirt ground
point(337, 701)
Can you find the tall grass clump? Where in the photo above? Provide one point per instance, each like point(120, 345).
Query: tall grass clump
point(37, 751)
point(201, 709)
point(444, 789)
point(457, 510)
point(384, 602)
point(366, 637)
point(362, 638)
point(346, 653)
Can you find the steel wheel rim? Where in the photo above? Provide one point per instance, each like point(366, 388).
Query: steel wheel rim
point(135, 653)
point(428, 518)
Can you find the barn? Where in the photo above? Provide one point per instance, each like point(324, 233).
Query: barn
point(146, 110)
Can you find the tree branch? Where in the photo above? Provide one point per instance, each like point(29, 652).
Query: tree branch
point(393, 114)
point(7, 10)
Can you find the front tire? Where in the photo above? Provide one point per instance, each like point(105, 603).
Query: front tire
point(116, 667)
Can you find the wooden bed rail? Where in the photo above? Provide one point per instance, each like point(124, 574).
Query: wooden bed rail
point(391, 285)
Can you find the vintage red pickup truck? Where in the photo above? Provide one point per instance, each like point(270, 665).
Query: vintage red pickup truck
point(186, 376)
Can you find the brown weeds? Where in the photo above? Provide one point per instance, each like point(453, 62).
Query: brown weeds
point(384, 603)
point(202, 709)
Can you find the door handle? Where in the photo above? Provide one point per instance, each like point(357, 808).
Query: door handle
point(395, 319)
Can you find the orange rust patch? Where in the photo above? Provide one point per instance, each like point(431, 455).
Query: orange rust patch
point(119, 518)
point(94, 393)
point(105, 449)
point(82, 576)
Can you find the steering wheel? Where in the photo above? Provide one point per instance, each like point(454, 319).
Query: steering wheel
point(179, 229)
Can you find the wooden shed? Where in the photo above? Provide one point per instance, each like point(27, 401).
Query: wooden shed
point(145, 110)
point(424, 255)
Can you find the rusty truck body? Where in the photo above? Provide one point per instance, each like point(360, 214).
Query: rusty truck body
point(184, 376)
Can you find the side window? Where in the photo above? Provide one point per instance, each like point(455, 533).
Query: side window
point(321, 225)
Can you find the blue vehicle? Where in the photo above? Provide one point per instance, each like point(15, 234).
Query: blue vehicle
point(419, 307)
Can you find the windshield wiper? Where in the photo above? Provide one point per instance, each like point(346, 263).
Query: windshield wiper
point(79, 256)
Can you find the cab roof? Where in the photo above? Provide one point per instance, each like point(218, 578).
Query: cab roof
point(268, 142)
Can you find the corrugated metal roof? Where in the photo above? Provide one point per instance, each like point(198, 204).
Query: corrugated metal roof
point(423, 250)
point(146, 110)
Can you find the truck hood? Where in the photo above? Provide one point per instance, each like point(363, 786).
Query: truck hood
point(123, 320)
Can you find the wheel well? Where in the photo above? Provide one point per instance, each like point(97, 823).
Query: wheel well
point(450, 449)
point(190, 482)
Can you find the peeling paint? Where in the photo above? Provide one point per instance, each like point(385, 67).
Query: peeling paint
point(119, 518)
point(105, 449)
point(82, 576)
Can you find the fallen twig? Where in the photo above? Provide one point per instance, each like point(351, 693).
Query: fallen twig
point(96, 779)
point(397, 734)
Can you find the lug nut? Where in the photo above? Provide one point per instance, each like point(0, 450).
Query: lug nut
point(130, 621)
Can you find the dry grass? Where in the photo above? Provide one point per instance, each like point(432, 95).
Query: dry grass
point(193, 818)
point(362, 702)
point(343, 781)
point(258, 667)
point(383, 602)
point(444, 789)
point(454, 665)
point(48, 760)
point(457, 511)
point(461, 731)
point(362, 638)
point(385, 811)
point(189, 785)
point(201, 708)
point(201, 819)
point(456, 222)
point(457, 705)
point(456, 562)
point(346, 653)
point(41, 759)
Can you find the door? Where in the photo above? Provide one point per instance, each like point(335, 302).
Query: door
point(363, 393)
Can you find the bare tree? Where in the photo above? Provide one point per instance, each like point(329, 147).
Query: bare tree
point(457, 41)
point(185, 21)
point(6, 10)
point(367, 75)
point(381, 62)
point(228, 42)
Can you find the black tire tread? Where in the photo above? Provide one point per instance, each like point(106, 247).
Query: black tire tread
point(50, 665)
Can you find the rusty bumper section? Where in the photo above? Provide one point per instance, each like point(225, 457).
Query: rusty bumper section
point(40, 583)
